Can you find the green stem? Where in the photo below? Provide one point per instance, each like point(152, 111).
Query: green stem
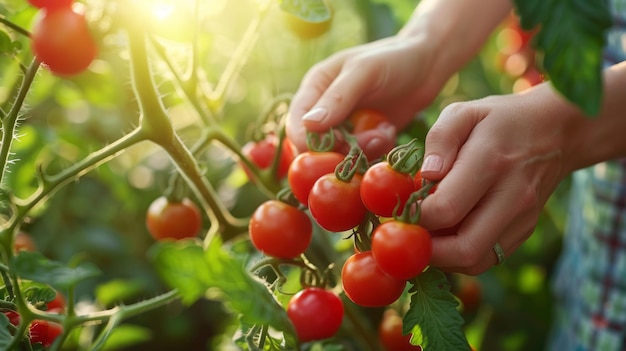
point(9, 123)
point(49, 184)
point(14, 26)
point(156, 124)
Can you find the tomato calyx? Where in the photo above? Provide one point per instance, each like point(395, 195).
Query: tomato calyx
point(354, 162)
point(406, 158)
point(321, 142)
point(311, 276)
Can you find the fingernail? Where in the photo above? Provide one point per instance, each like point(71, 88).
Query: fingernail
point(316, 115)
point(432, 163)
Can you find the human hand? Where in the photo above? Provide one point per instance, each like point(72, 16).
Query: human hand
point(390, 75)
point(499, 159)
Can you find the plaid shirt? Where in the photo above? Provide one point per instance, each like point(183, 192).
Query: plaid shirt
point(590, 282)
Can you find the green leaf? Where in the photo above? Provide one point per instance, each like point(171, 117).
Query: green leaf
point(116, 291)
point(5, 336)
point(308, 10)
point(571, 37)
point(215, 273)
point(433, 317)
point(34, 266)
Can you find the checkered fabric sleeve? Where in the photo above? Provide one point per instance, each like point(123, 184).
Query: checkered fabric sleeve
point(590, 280)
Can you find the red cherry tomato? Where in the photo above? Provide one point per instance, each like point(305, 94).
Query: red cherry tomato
point(173, 220)
point(280, 230)
point(51, 4)
point(262, 152)
point(307, 168)
point(366, 284)
point(62, 41)
point(13, 316)
point(401, 250)
point(336, 205)
point(365, 119)
point(383, 189)
point(418, 181)
point(390, 333)
point(469, 290)
point(315, 313)
point(57, 304)
point(23, 242)
point(44, 332)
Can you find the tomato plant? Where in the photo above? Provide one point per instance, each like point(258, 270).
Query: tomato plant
point(384, 189)
point(316, 313)
point(307, 168)
point(402, 250)
point(390, 333)
point(173, 219)
point(336, 204)
point(61, 39)
point(44, 332)
point(57, 304)
point(262, 154)
point(366, 284)
point(280, 230)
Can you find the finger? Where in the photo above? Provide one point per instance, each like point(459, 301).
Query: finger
point(446, 137)
point(377, 142)
point(471, 250)
point(358, 78)
point(312, 87)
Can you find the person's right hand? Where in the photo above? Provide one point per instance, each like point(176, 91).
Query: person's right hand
point(392, 75)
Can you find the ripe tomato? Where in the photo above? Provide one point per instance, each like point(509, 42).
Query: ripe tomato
point(366, 119)
point(469, 290)
point(401, 250)
point(418, 180)
point(51, 4)
point(23, 242)
point(13, 316)
point(366, 284)
point(44, 332)
point(57, 304)
point(62, 41)
point(336, 205)
point(307, 168)
point(173, 220)
point(383, 188)
point(390, 333)
point(262, 152)
point(315, 313)
point(280, 230)
point(306, 30)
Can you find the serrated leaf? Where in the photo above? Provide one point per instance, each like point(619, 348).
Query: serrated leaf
point(571, 37)
point(433, 317)
point(214, 272)
point(308, 10)
point(36, 267)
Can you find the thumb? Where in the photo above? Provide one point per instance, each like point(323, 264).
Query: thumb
point(445, 138)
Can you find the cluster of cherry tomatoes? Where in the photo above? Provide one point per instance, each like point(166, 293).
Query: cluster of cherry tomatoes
point(61, 38)
point(515, 56)
point(339, 193)
point(41, 331)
